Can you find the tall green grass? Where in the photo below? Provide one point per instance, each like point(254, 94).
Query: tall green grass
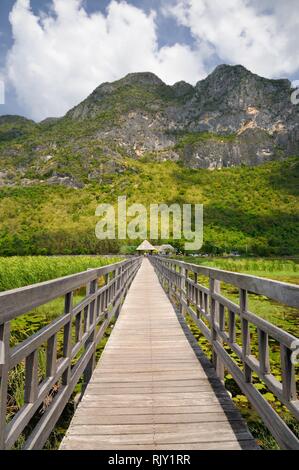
point(19, 271)
point(281, 269)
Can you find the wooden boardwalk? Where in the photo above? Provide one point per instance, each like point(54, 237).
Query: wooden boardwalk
point(150, 390)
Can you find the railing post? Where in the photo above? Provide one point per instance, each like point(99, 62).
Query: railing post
point(246, 349)
point(181, 289)
point(196, 296)
point(118, 286)
point(232, 326)
point(214, 311)
point(187, 287)
point(91, 289)
point(183, 293)
point(4, 361)
point(106, 302)
point(67, 338)
point(119, 283)
point(263, 342)
point(31, 377)
point(288, 374)
point(52, 355)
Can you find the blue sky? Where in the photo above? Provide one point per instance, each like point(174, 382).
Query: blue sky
point(53, 53)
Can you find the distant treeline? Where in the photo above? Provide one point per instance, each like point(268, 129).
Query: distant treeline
point(85, 243)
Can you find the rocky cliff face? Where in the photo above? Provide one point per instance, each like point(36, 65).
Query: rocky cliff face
point(233, 117)
point(254, 112)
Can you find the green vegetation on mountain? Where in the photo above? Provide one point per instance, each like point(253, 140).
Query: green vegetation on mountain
point(192, 138)
point(253, 210)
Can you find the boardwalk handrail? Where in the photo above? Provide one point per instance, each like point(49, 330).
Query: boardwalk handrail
point(216, 316)
point(82, 327)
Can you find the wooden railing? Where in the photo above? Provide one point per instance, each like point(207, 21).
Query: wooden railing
point(218, 319)
point(80, 328)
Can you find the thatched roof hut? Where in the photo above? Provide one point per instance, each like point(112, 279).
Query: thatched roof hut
point(166, 249)
point(145, 246)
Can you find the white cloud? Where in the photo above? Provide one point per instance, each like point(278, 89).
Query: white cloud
point(58, 59)
point(259, 34)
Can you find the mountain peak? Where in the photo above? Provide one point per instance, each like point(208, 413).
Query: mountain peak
point(14, 119)
point(235, 73)
point(228, 74)
point(226, 68)
point(146, 79)
point(182, 88)
point(142, 78)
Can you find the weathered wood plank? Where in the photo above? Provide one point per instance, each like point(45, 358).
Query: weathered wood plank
point(85, 444)
point(158, 410)
point(203, 428)
point(99, 419)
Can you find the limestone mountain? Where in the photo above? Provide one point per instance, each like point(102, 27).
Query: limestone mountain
point(232, 117)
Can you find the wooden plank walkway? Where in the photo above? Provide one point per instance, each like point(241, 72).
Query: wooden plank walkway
point(149, 389)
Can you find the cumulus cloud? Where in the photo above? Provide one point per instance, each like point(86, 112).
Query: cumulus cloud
point(58, 58)
point(259, 34)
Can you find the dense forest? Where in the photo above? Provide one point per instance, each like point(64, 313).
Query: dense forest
point(252, 210)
